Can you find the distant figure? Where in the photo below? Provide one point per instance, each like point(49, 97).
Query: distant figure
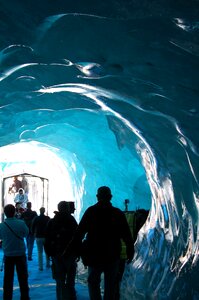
point(28, 217)
point(21, 198)
point(24, 183)
point(13, 232)
point(60, 231)
point(15, 186)
point(39, 225)
point(19, 210)
point(104, 226)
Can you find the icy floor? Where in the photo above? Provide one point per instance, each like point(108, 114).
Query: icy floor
point(42, 286)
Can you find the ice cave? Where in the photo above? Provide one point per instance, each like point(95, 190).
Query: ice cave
point(106, 93)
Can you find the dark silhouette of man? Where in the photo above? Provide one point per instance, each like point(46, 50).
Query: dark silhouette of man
point(59, 233)
point(12, 232)
point(38, 228)
point(104, 226)
point(28, 215)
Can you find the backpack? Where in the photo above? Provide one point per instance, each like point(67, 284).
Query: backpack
point(58, 235)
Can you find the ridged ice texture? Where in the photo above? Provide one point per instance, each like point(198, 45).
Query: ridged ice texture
point(114, 88)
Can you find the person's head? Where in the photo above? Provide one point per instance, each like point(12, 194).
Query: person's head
point(62, 206)
point(29, 205)
point(9, 211)
point(104, 193)
point(71, 207)
point(20, 191)
point(42, 210)
point(18, 205)
point(16, 179)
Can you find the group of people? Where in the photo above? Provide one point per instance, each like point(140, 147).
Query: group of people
point(97, 239)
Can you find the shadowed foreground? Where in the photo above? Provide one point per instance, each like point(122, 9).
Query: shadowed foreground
point(42, 286)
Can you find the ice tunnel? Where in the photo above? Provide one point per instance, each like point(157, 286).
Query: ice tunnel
point(106, 93)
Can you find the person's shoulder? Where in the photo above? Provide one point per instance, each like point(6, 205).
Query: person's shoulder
point(92, 207)
point(43, 218)
point(73, 218)
point(18, 221)
point(33, 213)
point(67, 218)
point(70, 216)
point(51, 221)
point(118, 210)
point(36, 218)
point(90, 210)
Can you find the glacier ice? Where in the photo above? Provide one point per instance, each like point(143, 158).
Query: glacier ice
point(108, 94)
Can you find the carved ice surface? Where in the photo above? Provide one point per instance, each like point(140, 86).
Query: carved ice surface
point(108, 94)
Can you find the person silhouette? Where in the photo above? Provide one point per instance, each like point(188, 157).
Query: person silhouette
point(102, 227)
point(24, 183)
point(28, 215)
point(38, 228)
point(12, 232)
point(21, 198)
point(59, 233)
point(15, 186)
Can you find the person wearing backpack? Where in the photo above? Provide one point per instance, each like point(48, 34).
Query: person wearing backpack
point(59, 233)
point(101, 230)
point(12, 233)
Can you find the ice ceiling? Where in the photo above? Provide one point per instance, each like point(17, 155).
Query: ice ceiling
point(107, 93)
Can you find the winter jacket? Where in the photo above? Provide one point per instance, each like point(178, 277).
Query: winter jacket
point(39, 225)
point(60, 231)
point(28, 217)
point(104, 227)
point(12, 245)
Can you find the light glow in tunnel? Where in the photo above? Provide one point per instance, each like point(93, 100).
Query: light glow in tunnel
point(108, 95)
point(43, 161)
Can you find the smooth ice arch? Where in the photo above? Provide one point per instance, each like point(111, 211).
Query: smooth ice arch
point(110, 95)
point(83, 142)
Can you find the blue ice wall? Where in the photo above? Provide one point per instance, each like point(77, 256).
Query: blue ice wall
point(115, 84)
